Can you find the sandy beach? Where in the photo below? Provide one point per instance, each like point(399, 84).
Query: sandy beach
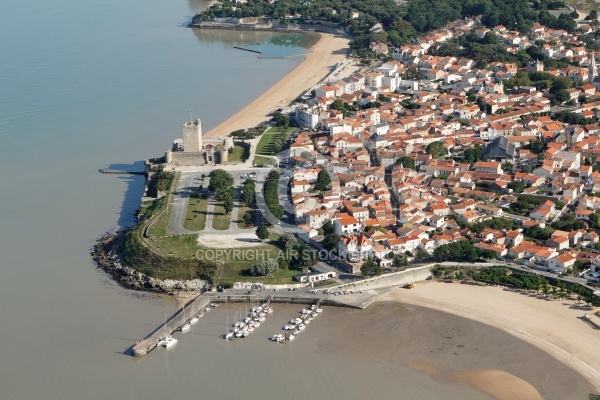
point(325, 53)
point(554, 326)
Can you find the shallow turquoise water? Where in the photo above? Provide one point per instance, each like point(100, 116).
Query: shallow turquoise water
point(281, 46)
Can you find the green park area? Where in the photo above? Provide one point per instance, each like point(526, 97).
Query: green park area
point(239, 154)
point(242, 211)
point(273, 141)
point(260, 161)
point(195, 215)
point(221, 219)
point(239, 270)
point(184, 247)
point(148, 249)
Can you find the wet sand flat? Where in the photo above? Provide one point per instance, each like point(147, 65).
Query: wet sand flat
point(452, 350)
point(555, 326)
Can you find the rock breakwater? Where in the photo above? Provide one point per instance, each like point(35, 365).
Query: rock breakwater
point(105, 255)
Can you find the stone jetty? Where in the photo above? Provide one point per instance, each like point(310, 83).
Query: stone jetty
point(145, 346)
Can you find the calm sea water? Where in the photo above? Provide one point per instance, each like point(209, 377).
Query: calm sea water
point(86, 85)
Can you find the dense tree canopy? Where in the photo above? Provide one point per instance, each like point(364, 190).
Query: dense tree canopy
point(264, 268)
point(262, 232)
point(323, 180)
point(401, 22)
point(406, 162)
point(271, 194)
point(248, 192)
point(435, 149)
point(370, 268)
point(220, 182)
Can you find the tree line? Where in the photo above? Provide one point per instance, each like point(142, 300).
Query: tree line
point(401, 22)
point(221, 184)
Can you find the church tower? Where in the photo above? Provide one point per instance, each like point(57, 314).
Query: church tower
point(192, 136)
point(535, 66)
point(539, 66)
point(593, 72)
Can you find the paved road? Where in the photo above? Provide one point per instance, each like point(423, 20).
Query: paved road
point(188, 182)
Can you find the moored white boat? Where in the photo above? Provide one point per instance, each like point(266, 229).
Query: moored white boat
point(185, 327)
point(277, 337)
point(167, 341)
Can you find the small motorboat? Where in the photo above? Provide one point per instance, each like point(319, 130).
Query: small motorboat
point(277, 338)
point(167, 342)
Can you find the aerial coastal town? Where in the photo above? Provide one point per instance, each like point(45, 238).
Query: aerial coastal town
point(428, 162)
point(463, 153)
point(437, 157)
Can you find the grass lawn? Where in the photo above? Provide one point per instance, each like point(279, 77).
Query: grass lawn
point(239, 154)
point(260, 161)
point(195, 215)
point(221, 220)
point(234, 270)
point(268, 139)
point(238, 270)
point(183, 246)
point(279, 129)
point(159, 227)
point(242, 211)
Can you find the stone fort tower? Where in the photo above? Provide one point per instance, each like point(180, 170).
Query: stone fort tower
point(192, 136)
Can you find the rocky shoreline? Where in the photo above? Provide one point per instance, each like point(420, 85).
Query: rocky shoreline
point(105, 255)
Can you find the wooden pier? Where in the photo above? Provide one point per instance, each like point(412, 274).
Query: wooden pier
point(119, 172)
point(145, 346)
point(245, 49)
